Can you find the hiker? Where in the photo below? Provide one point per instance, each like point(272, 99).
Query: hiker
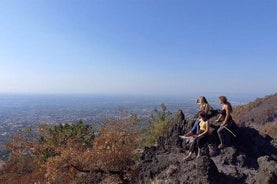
point(226, 119)
point(207, 109)
point(201, 138)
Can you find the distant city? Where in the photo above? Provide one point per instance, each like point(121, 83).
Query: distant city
point(19, 112)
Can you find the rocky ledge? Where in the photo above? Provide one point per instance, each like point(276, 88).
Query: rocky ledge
point(248, 158)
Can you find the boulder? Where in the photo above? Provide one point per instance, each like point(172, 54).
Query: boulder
point(267, 173)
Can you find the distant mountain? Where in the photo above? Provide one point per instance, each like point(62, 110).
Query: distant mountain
point(258, 112)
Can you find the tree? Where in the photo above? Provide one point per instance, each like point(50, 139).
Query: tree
point(65, 153)
point(158, 123)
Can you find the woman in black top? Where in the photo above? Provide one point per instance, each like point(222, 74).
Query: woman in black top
point(225, 117)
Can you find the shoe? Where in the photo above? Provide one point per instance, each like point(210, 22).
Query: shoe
point(187, 139)
point(189, 134)
point(220, 146)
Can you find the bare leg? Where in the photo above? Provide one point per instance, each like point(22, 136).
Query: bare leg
point(221, 137)
point(188, 157)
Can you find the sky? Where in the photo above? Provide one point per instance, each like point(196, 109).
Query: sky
point(138, 47)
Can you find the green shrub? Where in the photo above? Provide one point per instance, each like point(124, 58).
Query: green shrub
point(158, 123)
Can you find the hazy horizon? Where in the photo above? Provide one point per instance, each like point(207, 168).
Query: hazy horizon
point(186, 95)
point(237, 98)
point(22, 108)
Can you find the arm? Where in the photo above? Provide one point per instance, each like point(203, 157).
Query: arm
point(219, 118)
point(206, 131)
point(228, 114)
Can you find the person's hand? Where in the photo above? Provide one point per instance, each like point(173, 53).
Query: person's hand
point(195, 136)
point(216, 120)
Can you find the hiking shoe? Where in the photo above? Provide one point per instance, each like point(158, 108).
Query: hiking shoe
point(187, 139)
point(189, 134)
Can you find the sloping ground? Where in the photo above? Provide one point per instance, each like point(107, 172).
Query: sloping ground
point(250, 158)
point(261, 111)
point(1, 163)
point(269, 129)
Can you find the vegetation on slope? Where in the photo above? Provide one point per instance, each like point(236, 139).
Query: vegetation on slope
point(158, 123)
point(66, 153)
point(260, 111)
point(269, 129)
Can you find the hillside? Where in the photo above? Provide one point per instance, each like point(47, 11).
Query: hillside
point(1, 163)
point(258, 112)
point(251, 157)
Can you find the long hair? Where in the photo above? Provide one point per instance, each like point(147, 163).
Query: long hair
point(204, 100)
point(224, 100)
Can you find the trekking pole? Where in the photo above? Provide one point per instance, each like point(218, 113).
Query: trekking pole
point(230, 131)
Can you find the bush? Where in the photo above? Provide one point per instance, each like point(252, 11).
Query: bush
point(158, 123)
point(67, 153)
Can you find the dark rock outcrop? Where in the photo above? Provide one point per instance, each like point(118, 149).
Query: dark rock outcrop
point(267, 172)
point(247, 158)
point(171, 141)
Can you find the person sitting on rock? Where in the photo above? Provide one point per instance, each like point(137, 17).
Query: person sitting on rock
point(201, 138)
point(206, 108)
point(226, 118)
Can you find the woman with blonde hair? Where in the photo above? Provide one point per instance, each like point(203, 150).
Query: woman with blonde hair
point(206, 108)
point(226, 118)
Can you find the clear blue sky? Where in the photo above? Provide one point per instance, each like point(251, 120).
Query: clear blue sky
point(163, 47)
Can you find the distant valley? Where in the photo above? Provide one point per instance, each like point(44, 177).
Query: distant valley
point(19, 112)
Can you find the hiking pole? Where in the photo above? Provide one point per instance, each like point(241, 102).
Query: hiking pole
point(230, 131)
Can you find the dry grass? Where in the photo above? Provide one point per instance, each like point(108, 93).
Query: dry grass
point(269, 129)
point(260, 111)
